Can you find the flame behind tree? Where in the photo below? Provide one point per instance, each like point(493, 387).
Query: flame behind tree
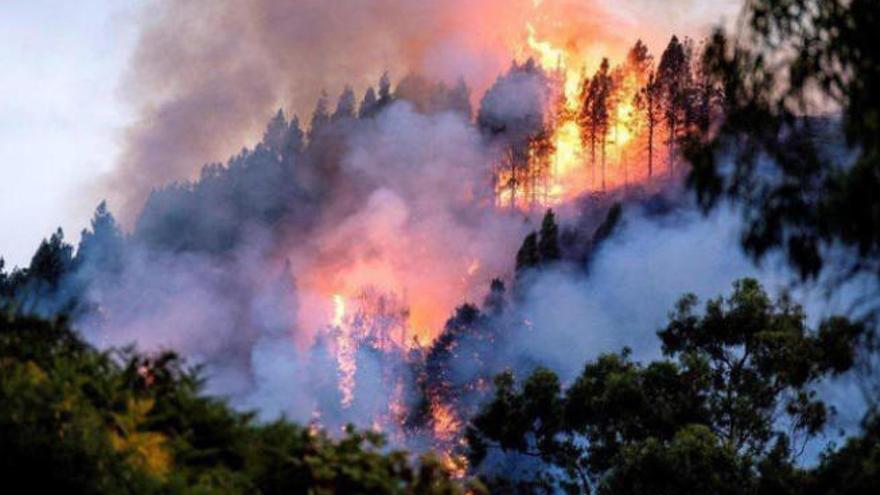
point(593, 133)
point(558, 134)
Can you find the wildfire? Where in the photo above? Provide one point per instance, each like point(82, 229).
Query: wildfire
point(446, 422)
point(571, 170)
point(338, 310)
point(346, 351)
point(403, 315)
point(447, 426)
point(623, 122)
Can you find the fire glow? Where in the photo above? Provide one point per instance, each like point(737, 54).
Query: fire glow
point(403, 316)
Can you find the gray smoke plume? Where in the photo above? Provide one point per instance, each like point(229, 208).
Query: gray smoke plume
point(206, 73)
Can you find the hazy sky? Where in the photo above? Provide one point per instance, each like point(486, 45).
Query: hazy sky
point(60, 62)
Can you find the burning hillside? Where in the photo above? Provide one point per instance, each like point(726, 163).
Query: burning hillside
point(445, 259)
point(330, 272)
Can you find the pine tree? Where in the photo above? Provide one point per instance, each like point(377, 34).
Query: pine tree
point(101, 247)
point(52, 260)
point(704, 97)
point(647, 101)
point(4, 280)
point(673, 76)
point(368, 104)
point(595, 112)
point(293, 139)
point(385, 97)
point(548, 245)
point(274, 135)
point(639, 61)
point(494, 302)
point(527, 256)
point(345, 107)
point(320, 118)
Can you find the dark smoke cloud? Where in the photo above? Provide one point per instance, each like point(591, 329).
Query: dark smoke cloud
point(207, 73)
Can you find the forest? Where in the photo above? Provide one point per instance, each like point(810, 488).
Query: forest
point(319, 315)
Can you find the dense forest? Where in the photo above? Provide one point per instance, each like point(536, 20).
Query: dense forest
point(730, 406)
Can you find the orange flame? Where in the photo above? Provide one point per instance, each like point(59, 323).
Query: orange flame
point(346, 350)
point(570, 171)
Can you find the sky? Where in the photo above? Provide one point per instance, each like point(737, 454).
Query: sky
point(60, 116)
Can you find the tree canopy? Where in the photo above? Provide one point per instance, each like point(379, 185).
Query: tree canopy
point(76, 420)
point(733, 394)
point(801, 127)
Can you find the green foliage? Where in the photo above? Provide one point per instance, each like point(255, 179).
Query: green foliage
point(75, 420)
point(855, 468)
point(51, 261)
point(694, 462)
point(704, 420)
point(793, 60)
point(748, 351)
point(55, 409)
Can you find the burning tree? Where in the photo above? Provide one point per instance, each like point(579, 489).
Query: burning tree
point(513, 117)
point(595, 115)
point(674, 80)
point(561, 147)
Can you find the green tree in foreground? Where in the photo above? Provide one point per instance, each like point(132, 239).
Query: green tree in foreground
point(75, 420)
point(791, 61)
point(798, 145)
point(704, 420)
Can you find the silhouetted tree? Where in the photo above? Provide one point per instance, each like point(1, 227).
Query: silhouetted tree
point(673, 77)
point(706, 98)
point(101, 248)
point(294, 139)
point(345, 107)
point(648, 101)
point(816, 189)
point(494, 303)
point(595, 113)
point(385, 97)
point(639, 62)
point(275, 134)
point(320, 117)
point(368, 104)
point(527, 256)
point(52, 260)
point(548, 245)
point(512, 117)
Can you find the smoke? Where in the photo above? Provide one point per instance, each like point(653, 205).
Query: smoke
point(206, 73)
point(239, 270)
point(403, 209)
point(635, 279)
point(422, 222)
